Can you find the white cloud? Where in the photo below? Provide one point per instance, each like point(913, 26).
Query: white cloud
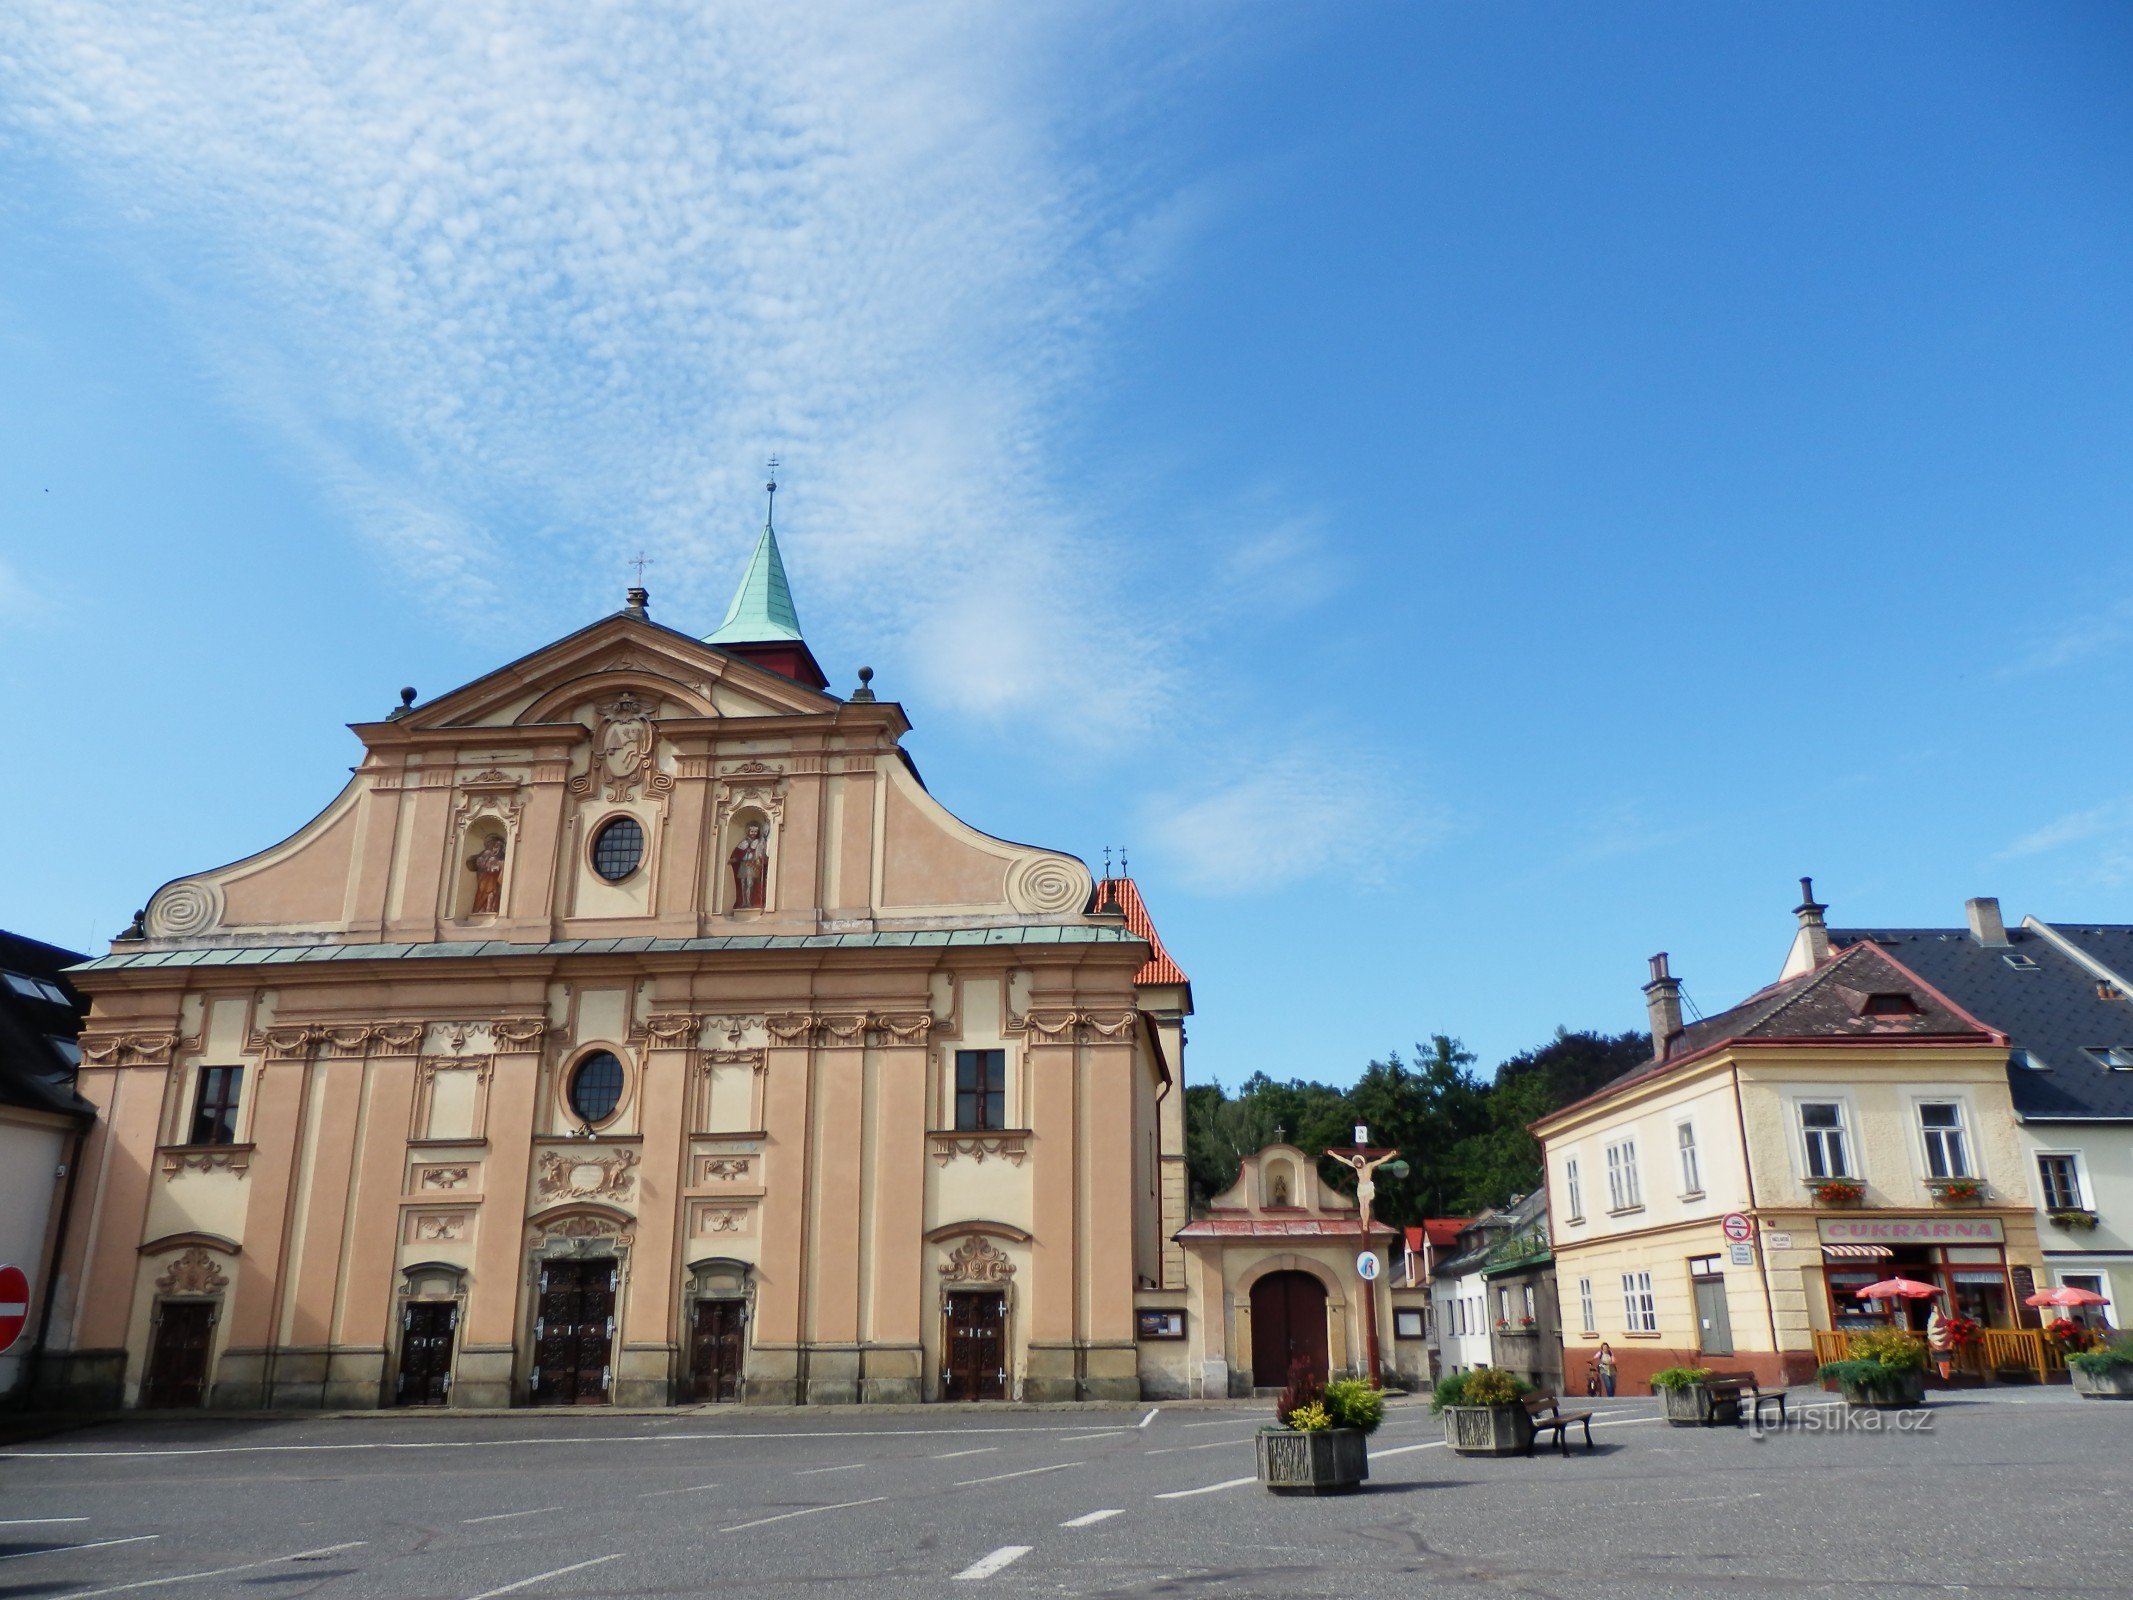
point(531, 286)
point(2076, 827)
point(1278, 823)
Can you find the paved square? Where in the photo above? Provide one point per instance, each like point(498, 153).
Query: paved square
point(2012, 1492)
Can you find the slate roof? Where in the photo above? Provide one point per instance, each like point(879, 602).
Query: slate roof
point(2050, 1012)
point(1828, 1003)
point(267, 955)
point(37, 1031)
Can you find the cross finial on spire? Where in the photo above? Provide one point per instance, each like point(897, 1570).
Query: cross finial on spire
point(1107, 861)
point(1124, 871)
point(770, 489)
point(640, 561)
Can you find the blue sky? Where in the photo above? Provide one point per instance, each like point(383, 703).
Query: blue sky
point(1470, 495)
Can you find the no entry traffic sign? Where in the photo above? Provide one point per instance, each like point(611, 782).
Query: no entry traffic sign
point(1737, 1227)
point(14, 1305)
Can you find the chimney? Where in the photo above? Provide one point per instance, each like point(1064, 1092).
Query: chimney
point(1814, 932)
point(1662, 1001)
point(1985, 924)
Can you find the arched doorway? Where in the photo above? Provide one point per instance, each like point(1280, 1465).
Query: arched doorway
point(1288, 1326)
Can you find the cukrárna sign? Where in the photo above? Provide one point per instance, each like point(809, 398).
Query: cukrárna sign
point(1911, 1230)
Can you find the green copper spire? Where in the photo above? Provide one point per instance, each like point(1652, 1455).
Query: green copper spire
point(762, 609)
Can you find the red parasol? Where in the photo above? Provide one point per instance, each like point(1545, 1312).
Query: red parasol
point(1898, 1289)
point(2064, 1296)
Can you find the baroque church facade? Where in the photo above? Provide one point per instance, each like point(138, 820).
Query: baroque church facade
point(634, 1028)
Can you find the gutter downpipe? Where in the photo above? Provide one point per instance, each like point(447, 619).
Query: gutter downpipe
point(33, 1364)
point(1762, 1259)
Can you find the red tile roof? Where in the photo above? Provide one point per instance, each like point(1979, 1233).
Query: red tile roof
point(1160, 968)
point(1275, 1228)
point(1443, 1232)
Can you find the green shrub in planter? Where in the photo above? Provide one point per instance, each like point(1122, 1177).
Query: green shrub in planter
point(1887, 1366)
point(1354, 1403)
point(1484, 1386)
point(1680, 1377)
point(2105, 1373)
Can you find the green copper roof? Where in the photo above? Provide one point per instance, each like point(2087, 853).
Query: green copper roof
point(762, 608)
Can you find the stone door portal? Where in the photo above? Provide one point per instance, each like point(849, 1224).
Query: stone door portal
point(426, 1335)
point(1288, 1327)
point(975, 1364)
point(715, 1345)
point(574, 1334)
point(177, 1360)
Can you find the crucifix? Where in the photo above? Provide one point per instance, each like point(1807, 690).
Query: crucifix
point(640, 561)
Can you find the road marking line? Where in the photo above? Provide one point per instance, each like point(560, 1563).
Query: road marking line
point(24, 1522)
point(543, 1577)
point(1406, 1449)
point(951, 1455)
point(694, 1488)
point(1208, 1488)
point(1107, 1433)
point(1214, 1444)
point(1088, 1518)
point(506, 1444)
point(62, 1549)
point(1226, 1422)
point(849, 1466)
point(249, 1566)
point(1148, 1418)
point(1027, 1472)
point(804, 1511)
point(1006, 1556)
point(505, 1516)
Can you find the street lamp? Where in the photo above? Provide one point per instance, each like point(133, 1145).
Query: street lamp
point(1364, 1160)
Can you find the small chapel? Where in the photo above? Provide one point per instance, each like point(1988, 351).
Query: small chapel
point(634, 1027)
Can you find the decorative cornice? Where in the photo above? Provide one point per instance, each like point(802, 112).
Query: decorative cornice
point(293, 1041)
point(193, 1273)
point(176, 1158)
point(848, 1027)
point(977, 1260)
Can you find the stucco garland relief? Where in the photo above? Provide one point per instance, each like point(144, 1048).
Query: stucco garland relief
point(724, 1169)
point(573, 1176)
point(849, 1027)
point(583, 1231)
point(625, 752)
point(438, 1227)
point(977, 1260)
point(483, 1065)
point(1011, 1147)
point(710, 1218)
point(684, 1029)
point(132, 1049)
point(194, 1272)
point(294, 1041)
point(234, 1158)
point(1079, 1027)
point(443, 1177)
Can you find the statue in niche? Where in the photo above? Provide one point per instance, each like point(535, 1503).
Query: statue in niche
point(488, 870)
point(1281, 1189)
point(750, 860)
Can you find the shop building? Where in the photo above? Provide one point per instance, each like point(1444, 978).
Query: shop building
point(634, 1027)
point(2063, 995)
point(1717, 1205)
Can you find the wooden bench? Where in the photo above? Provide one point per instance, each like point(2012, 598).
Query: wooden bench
point(1548, 1416)
point(1738, 1394)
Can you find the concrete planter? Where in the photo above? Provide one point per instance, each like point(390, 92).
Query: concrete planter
point(1331, 1461)
point(1488, 1430)
point(1897, 1389)
point(1686, 1408)
point(2115, 1383)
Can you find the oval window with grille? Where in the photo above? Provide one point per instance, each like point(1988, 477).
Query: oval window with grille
point(596, 1087)
point(618, 848)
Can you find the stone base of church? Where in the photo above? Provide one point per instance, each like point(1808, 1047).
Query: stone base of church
point(644, 1376)
point(79, 1380)
point(482, 1380)
point(240, 1381)
point(355, 1378)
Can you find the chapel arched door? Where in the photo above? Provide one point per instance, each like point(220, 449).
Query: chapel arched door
point(1288, 1326)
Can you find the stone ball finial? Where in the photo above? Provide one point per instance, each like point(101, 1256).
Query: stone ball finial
point(407, 696)
point(865, 691)
point(405, 708)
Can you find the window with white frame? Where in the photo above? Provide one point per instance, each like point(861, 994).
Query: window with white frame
point(1588, 1318)
point(1947, 1152)
point(1528, 1313)
point(1624, 1193)
point(1691, 1163)
point(1503, 1305)
point(1822, 1131)
point(1639, 1309)
point(2059, 1175)
point(1573, 1190)
point(2094, 1283)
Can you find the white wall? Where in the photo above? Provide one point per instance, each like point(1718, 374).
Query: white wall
point(29, 1158)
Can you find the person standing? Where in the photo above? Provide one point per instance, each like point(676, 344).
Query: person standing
point(1605, 1361)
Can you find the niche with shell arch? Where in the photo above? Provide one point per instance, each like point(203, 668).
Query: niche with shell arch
point(748, 862)
point(482, 858)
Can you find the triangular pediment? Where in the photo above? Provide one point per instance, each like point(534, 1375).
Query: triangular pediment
point(688, 677)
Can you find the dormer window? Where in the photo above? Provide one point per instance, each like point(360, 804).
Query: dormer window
point(1893, 1003)
point(2021, 963)
point(2118, 1057)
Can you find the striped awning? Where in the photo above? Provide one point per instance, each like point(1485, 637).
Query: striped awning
point(1857, 1252)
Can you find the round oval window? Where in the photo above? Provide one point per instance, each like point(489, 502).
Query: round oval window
point(596, 1087)
point(617, 848)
